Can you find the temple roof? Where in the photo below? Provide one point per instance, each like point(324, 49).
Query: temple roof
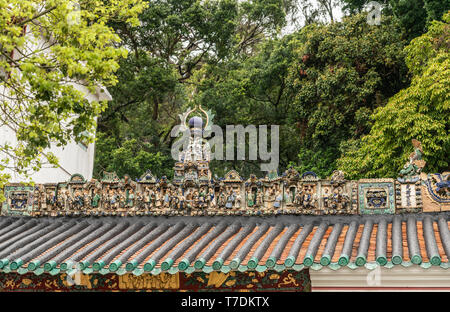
point(156, 244)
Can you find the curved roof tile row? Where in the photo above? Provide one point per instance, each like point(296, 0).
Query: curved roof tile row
point(158, 244)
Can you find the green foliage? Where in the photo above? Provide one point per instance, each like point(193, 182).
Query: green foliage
point(413, 15)
point(173, 42)
point(356, 6)
point(420, 111)
point(320, 85)
point(47, 46)
point(132, 158)
point(346, 70)
point(324, 84)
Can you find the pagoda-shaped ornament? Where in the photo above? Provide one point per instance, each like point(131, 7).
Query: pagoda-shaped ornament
point(192, 167)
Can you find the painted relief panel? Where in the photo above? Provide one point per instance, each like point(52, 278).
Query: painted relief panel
point(376, 196)
point(439, 187)
point(408, 195)
point(336, 198)
point(19, 200)
point(436, 192)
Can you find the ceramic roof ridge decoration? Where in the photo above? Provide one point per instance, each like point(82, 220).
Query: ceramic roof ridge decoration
point(194, 192)
point(195, 223)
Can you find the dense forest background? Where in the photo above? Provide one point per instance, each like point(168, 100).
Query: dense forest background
point(346, 94)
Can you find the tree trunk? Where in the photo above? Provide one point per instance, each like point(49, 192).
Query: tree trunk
point(155, 108)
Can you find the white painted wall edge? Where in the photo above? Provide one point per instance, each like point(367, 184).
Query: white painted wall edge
point(397, 278)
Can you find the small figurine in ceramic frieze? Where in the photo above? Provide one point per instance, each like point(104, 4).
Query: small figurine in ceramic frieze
point(344, 200)
point(273, 194)
point(60, 199)
point(153, 196)
point(163, 199)
point(79, 200)
point(146, 199)
point(87, 200)
point(202, 197)
point(203, 200)
point(171, 195)
point(259, 198)
point(122, 198)
point(326, 198)
point(52, 196)
point(189, 200)
point(139, 200)
point(131, 200)
point(307, 198)
point(278, 199)
point(287, 197)
point(250, 198)
point(238, 201)
point(112, 200)
point(166, 195)
point(298, 200)
point(158, 200)
point(198, 199)
point(173, 199)
point(314, 198)
point(105, 204)
point(181, 200)
point(195, 200)
point(152, 201)
point(48, 199)
point(230, 199)
point(69, 200)
point(335, 199)
point(74, 199)
point(222, 199)
point(48, 202)
point(268, 197)
point(95, 203)
point(211, 197)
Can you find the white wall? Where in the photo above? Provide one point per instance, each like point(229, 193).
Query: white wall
point(398, 278)
point(73, 158)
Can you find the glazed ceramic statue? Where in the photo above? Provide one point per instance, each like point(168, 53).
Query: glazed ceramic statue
point(415, 163)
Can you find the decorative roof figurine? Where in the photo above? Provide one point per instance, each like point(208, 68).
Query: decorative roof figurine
point(110, 177)
point(415, 163)
point(192, 168)
point(338, 177)
point(147, 177)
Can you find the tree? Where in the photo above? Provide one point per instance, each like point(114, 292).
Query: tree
point(328, 6)
point(413, 15)
point(46, 47)
point(421, 111)
point(319, 84)
point(346, 71)
point(173, 42)
point(131, 157)
point(313, 11)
